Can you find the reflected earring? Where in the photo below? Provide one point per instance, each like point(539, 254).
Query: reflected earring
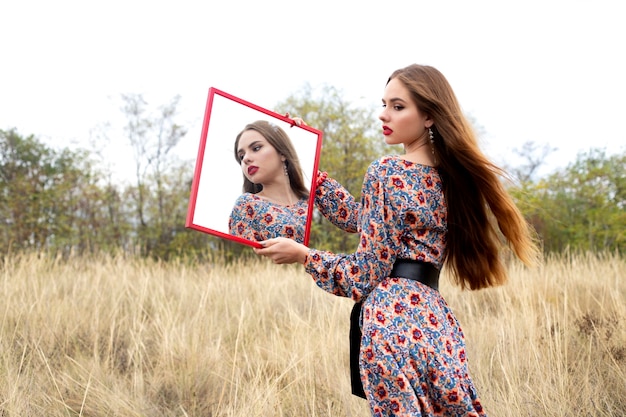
point(285, 168)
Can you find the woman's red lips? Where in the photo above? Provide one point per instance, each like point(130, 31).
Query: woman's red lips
point(252, 170)
point(387, 131)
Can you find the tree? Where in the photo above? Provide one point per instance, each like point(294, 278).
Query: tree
point(582, 206)
point(25, 182)
point(350, 143)
point(49, 199)
point(592, 192)
point(151, 137)
point(534, 157)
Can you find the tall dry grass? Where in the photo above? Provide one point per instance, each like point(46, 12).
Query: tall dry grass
point(126, 337)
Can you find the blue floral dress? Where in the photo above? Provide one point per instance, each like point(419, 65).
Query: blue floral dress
point(412, 356)
point(257, 219)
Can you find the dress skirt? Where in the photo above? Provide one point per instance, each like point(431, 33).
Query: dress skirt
point(412, 358)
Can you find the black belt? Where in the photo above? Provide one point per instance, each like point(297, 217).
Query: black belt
point(423, 272)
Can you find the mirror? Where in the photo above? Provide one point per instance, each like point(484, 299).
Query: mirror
point(218, 178)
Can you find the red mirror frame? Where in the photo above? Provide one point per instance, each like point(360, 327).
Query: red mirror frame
point(225, 116)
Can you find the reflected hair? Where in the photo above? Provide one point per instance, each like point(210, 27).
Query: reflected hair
point(279, 139)
point(482, 217)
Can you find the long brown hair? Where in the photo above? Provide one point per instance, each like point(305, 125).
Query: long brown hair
point(281, 142)
point(480, 211)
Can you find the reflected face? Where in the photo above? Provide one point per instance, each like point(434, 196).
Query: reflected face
point(403, 122)
point(260, 162)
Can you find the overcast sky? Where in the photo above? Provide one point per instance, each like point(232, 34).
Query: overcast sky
point(545, 71)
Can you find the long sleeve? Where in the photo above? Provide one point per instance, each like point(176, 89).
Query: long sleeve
point(337, 205)
point(355, 275)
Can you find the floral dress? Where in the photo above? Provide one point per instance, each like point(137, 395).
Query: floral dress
point(412, 356)
point(257, 219)
point(336, 204)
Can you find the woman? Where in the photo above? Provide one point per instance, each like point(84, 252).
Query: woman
point(274, 202)
point(440, 203)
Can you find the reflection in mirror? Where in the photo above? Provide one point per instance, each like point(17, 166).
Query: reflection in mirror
point(237, 192)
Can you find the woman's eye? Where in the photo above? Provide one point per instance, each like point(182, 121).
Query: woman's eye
point(256, 148)
point(398, 107)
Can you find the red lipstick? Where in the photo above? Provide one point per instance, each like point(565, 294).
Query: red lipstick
point(387, 131)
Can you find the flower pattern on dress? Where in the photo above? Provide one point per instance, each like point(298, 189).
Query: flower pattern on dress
point(255, 218)
point(412, 359)
point(337, 205)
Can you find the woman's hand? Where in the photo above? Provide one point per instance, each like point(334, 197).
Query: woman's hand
point(297, 120)
point(283, 251)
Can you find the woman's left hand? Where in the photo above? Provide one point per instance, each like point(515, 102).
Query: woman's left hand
point(297, 120)
point(283, 251)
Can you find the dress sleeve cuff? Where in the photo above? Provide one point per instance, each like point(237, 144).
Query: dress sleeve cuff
point(321, 177)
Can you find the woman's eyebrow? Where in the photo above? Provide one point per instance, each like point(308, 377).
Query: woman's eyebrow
point(394, 99)
point(250, 145)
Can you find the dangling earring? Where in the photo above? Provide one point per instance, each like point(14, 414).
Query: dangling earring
point(285, 168)
point(431, 135)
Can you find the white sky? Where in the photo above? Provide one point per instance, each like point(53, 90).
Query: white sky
point(548, 71)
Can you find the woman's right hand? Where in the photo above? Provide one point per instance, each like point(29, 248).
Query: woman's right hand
point(283, 251)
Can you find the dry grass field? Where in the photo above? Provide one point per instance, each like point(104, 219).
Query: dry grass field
point(126, 337)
